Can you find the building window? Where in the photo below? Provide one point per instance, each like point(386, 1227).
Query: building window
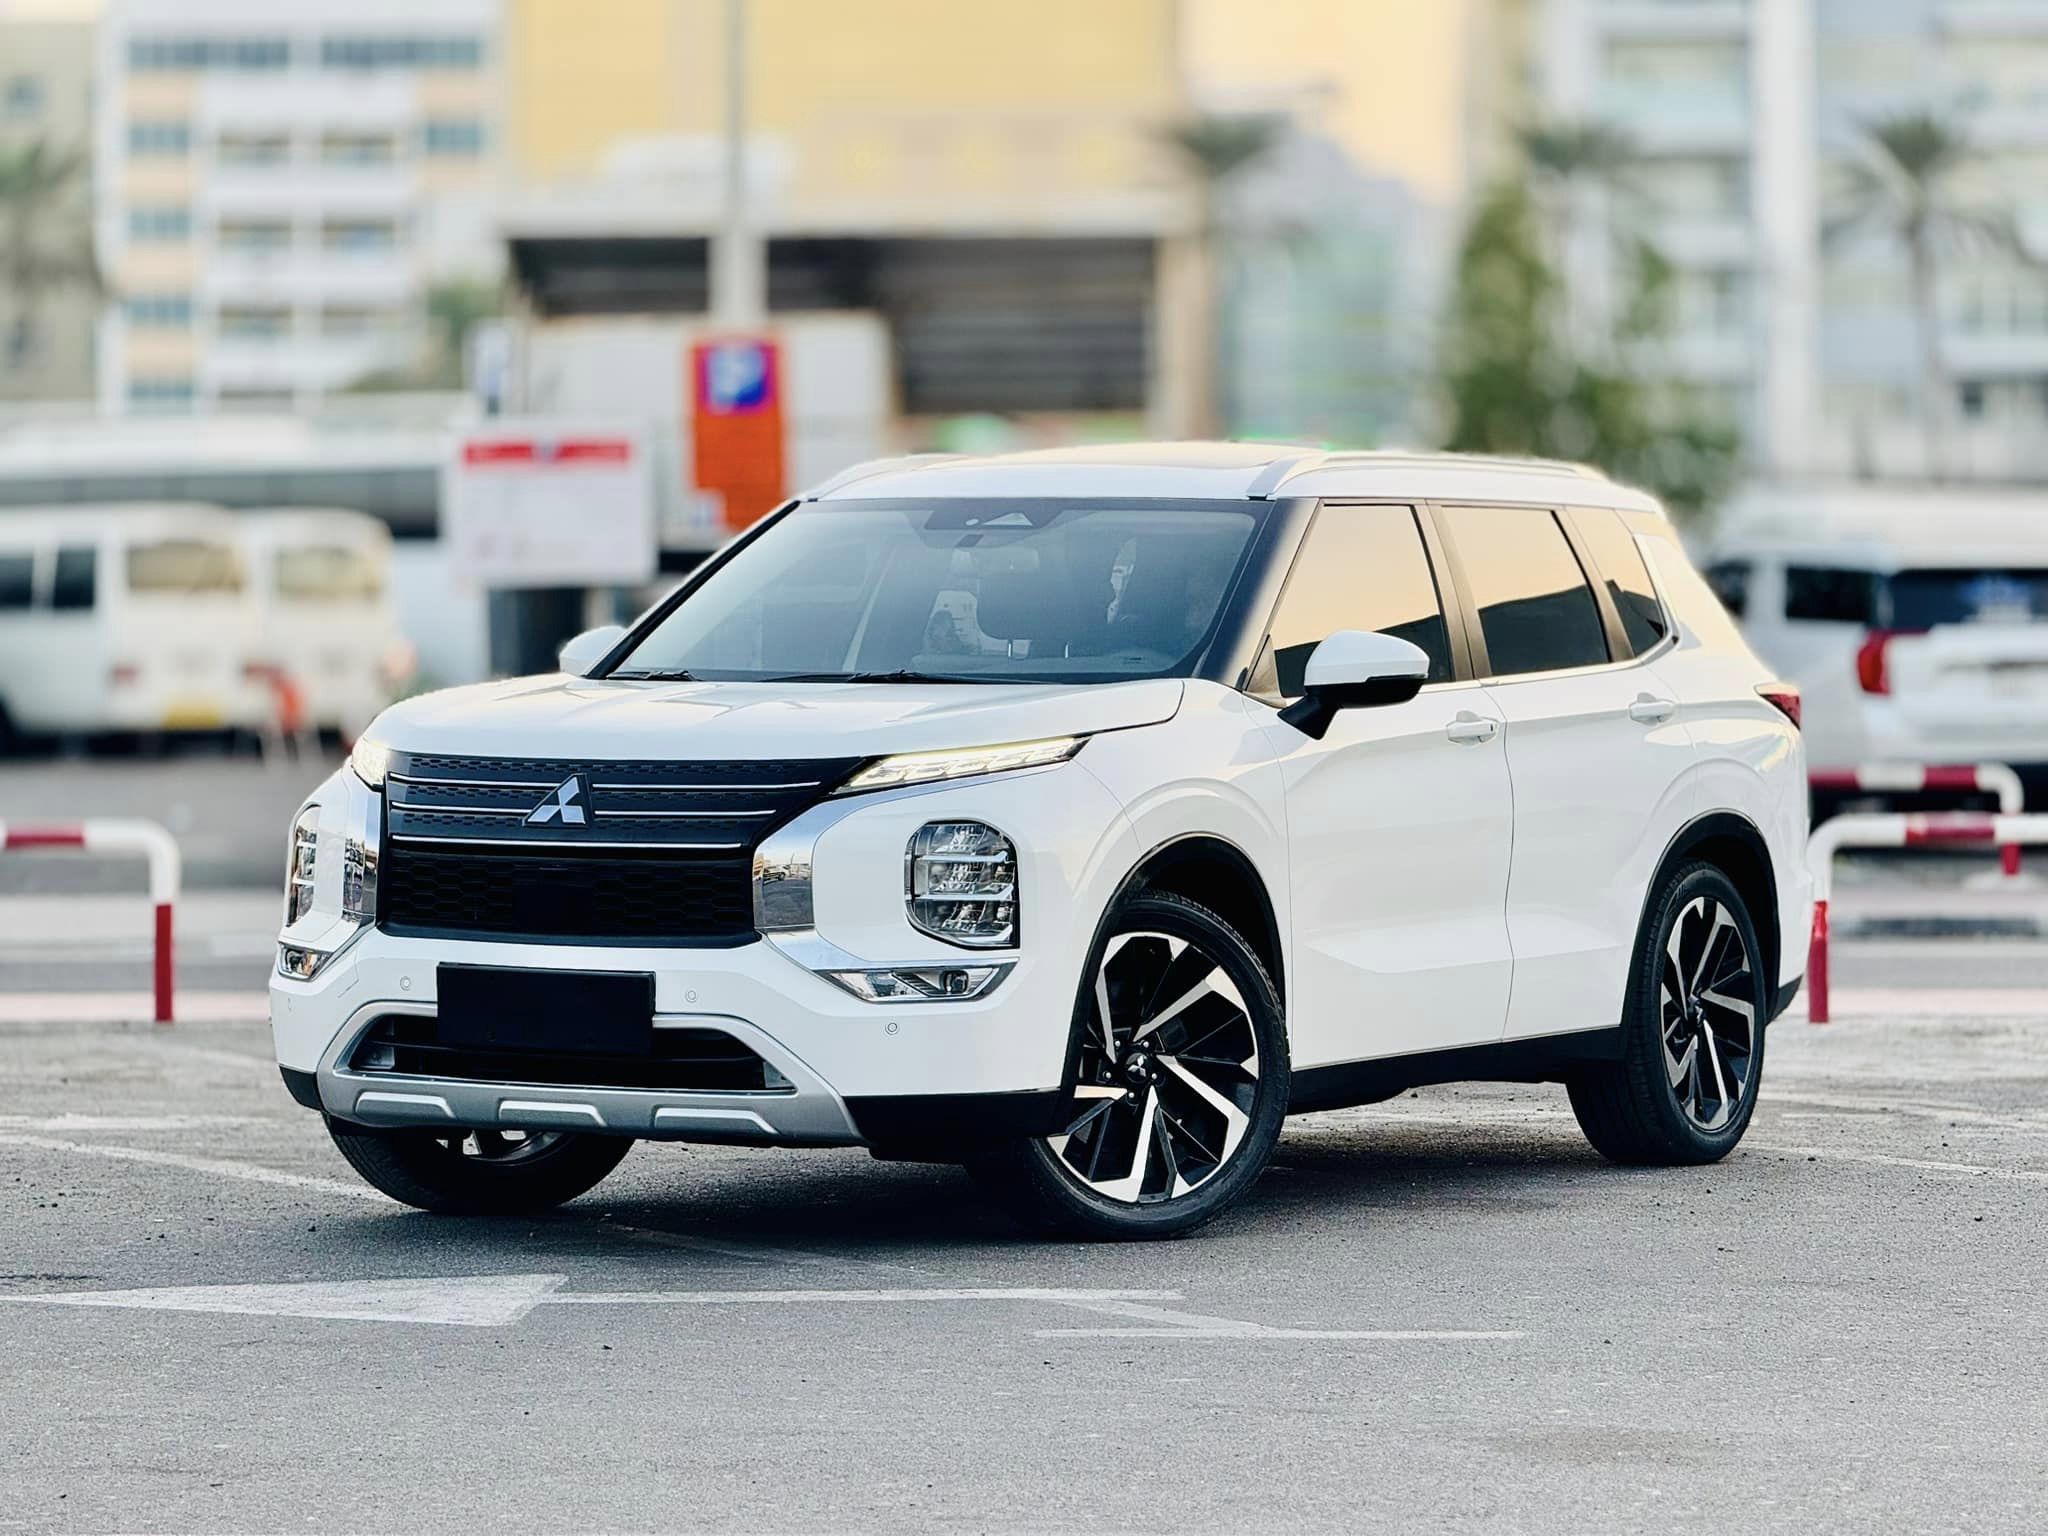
point(156, 222)
point(22, 98)
point(159, 311)
point(148, 55)
point(358, 149)
point(256, 401)
point(344, 320)
point(454, 136)
point(401, 51)
point(159, 137)
point(359, 235)
point(160, 389)
point(255, 322)
point(253, 148)
point(254, 235)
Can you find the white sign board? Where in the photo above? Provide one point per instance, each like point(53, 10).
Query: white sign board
point(528, 502)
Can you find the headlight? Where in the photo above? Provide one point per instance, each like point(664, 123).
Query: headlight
point(371, 760)
point(960, 763)
point(961, 884)
point(300, 861)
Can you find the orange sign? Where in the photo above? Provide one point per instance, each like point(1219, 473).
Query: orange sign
point(736, 424)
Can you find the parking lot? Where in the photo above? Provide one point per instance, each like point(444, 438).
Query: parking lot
point(1439, 1313)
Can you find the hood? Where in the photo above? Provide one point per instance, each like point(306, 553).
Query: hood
point(573, 717)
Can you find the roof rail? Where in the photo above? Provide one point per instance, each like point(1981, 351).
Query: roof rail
point(1403, 457)
point(869, 468)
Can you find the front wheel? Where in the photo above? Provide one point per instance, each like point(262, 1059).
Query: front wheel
point(1179, 1083)
point(1692, 1031)
point(478, 1173)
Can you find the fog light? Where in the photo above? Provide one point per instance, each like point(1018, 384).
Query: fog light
point(301, 964)
point(961, 884)
point(921, 984)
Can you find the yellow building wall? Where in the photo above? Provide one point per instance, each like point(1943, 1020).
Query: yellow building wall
point(886, 93)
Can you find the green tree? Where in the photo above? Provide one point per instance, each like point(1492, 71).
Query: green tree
point(1513, 382)
point(1905, 184)
point(45, 235)
point(454, 309)
point(1215, 152)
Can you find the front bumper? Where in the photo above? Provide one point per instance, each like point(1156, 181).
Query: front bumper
point(856, 1072)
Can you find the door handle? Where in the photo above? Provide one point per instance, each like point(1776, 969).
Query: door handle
point(1651, 710)
point(1470, 728)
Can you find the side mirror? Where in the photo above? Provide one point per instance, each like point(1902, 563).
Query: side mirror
point(579, 655)
point(1355, 669)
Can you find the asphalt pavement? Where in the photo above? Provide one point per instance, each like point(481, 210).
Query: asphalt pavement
point(1443, 1313)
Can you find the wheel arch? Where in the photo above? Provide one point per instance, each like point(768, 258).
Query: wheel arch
point(1733, 844)
point(1215, 873)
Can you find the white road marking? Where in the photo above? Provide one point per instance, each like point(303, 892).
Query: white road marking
point(128, 1122)
point(218, 1167)
point(1062, 1296)
point(466, 1301)
point(1196, 1325)
point(1918, 1164)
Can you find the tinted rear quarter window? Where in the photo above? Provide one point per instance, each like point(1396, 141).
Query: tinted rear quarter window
point(1536, 611)
point(76, 580)
point(1361, 567)
point(1730, 581)
point(17, 580)
point(1627, 579)
point(1829, 595)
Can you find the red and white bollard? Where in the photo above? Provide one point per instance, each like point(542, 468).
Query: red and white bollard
point(122, 836)
point(1908, 779)
point(1947, 829)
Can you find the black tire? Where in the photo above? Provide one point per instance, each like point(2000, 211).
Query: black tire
point(506, 1174)
point(1686, 1085)
point(1183, 1106)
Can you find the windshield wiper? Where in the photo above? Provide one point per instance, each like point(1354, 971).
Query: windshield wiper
point(871, 677)
point(657, 675)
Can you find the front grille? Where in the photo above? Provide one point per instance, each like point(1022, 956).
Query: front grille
point(694, 1060)
point(576, 852)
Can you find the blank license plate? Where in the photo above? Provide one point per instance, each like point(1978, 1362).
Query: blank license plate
point(600, 1013)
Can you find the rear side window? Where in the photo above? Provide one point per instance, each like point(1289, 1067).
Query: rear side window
point(17, 580)
point(1730, 581)
point(77, 579)
point(1536, 611)
point(1621, 568)
point(1923, 599)
point(1360, 568)
point(1829, 595)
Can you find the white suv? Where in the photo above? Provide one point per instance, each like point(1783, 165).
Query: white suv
point(1073, 816)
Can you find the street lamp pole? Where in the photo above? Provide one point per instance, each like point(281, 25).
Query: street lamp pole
point(738, 254)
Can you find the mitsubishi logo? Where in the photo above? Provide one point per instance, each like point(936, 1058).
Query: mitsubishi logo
point(564, 804)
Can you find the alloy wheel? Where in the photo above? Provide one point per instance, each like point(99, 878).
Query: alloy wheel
point(1168, 1073)
point(501, 1147)
point(1707, 1002)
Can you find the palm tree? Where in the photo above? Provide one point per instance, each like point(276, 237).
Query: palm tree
point(1216, 151)
point(45, 235)
point(1904, 184)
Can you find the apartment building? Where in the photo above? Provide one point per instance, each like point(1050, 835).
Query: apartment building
point(46, 336)
point(1745, 113)
point(279, 186)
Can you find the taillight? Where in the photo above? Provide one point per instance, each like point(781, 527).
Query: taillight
point(123, 674)
point(1873, 659)
point(1784, 697)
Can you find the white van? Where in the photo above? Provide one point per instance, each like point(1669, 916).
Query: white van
point(322, 584)
point(1915, 621)
point(126, 618)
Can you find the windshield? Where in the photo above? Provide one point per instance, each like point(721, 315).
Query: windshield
point(327, 573)
point(963, 589)
point(183, 567)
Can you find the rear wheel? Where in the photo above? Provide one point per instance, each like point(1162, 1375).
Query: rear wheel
point(1693, 1031)
point(478, 1173)
point(1180, 1082)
